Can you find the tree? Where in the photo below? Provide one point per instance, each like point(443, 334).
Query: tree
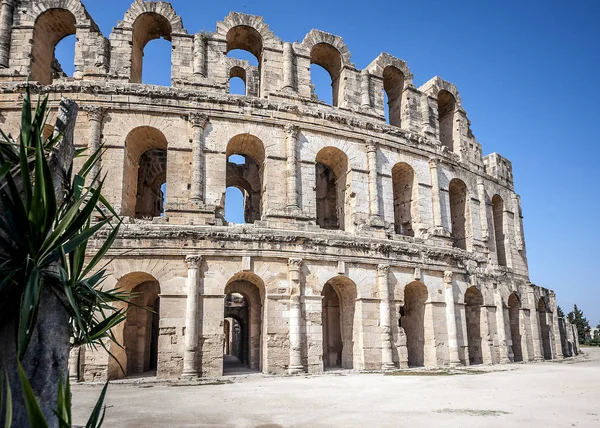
point(50, 299)
point(581, 323)
point(560, 312)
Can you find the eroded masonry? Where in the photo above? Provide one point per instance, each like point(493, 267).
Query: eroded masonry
point(371, 241)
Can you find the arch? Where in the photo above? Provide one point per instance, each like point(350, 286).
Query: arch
point(146, 27)
point(514, 310)
point(328, 57)
point(498, 215)
point(393, 85)
point(473, 315)
point(544, 323)
point(248, 177)
point(245, 38)
point(412, 320)
point(49, 29)
point(458, 195)
point(331, 173)
point(144, 171)
point(339, 299)
point(406, 201)
point(138, 335)
point(446, 108)
point(240, 73)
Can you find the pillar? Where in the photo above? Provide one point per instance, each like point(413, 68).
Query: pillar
point(76, 355)
point(556, 328)
point(373, 188)
point(435, 193)
point(501, 326)
point(6, 20)
point(96, 118)
point(535, 327)
point(387, 361)
point(517, 219)
point(200, 55)
point(288, 66)
point(190, 357)
point(451, 319)
point(198, 122)
point(482, 209)
point(365, 91)
point(294, 266)
point(291, 136)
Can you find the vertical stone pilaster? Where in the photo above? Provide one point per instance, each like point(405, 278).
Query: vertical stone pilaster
point(535, 327)
point(198, 122)
point(199, 55)
point(96, 118)
point(557, 345)
point(482, 209)
point(365, 89)
point(501, 326)
point(190, 356)
point(435, 193)
point(387, 361)
point(373, 188)
point(288, 67)
point(451, 319)
point(291, 135)
point(516, 202)
point(6, 20)
point(295, 366)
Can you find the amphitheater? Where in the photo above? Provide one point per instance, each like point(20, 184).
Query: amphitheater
point(371, 241)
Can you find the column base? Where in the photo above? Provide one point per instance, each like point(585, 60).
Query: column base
point(294, 370)
point(190, 375)
point(455, 364)
point(388, 367)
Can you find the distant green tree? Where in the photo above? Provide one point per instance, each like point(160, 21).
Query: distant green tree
point(560, 312)
point(583, 326)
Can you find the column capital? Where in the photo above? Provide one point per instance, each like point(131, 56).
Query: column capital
point(193, 262)
point(371, 145)
point(448, 277)
point(94, 113)
point(383, 270)
point(198, 120)
point(434, 162)
point(291, 131)
point(294, 264)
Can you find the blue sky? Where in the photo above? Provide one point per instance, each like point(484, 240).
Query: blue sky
point(527, 73)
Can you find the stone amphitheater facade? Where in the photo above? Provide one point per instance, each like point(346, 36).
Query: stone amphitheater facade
point(370, 244)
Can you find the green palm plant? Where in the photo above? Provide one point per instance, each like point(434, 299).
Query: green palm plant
point(50, 294)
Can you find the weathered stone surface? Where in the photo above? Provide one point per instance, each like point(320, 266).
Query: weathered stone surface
point(369, 244)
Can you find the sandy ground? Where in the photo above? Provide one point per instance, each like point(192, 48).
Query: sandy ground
point(550, 394)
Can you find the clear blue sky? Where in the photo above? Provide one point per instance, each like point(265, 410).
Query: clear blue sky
point(527, 73)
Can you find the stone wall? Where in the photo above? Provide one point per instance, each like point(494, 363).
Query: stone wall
point(417, 235)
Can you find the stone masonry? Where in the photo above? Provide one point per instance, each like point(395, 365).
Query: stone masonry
point(369, 243)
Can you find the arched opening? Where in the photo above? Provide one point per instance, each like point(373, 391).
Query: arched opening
point(405, 198)
point(446, 107)
point(393, 85)
point(50, 28)
point(543, 315)
point(147, 27)
point(242, 325)
point(458, 212)
point(331, 187)
point(234, 205)
point(412, 320)
point(246, 44)
point(330, 59)
point(514, 308)
point(339, 296)
point(245, 169)
point(498, 215)
point(473, 303)
point(139, 333)
point(144, 173)
point(237, 81)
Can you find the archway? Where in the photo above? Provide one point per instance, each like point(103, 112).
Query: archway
point(147, 27)
point(514, 308)
point(446, 107)
point(243, 312)
point(393, 85)
point(138, 335)
point(331, 172)
point(412, 320)
point(473, 303)
point(339, 298)
point(498, 214)
point(405, 200)
point(458, 212)
point(329, 58)
point(543, 315)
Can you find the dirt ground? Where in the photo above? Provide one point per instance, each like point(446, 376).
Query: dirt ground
point(551, 394)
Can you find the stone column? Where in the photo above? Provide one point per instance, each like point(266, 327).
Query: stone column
point(451, 319)
point(288, 66)
point(6, 20)
point(76, 354)
point(190, 357)
point(291, 136)
point(199, 55)
point(556, 328)
point(435, 193)
point(501, 326)
point(96, 117)
point(535, 327)
point(482, 209)
point(198, 122)
point(517, 219)
point(387, 361)
point(373, 188)
point(295, 366)
point(365, 91)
